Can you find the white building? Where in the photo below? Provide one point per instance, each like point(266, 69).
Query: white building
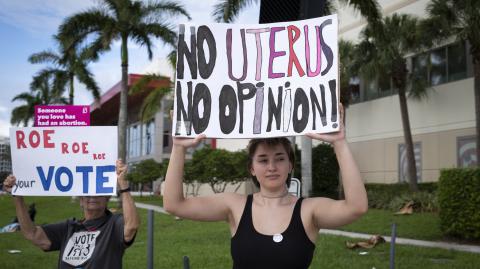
point(5, 161)
point(443, 125)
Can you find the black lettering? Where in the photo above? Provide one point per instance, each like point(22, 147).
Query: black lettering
point(184, 52)
point(242, 97)
point(316, 106)
point(300, 99)
point(181, 111)
point(204, 34)
point(274, 110)
point(327, 51)
point(202, 93)
point(227, 100)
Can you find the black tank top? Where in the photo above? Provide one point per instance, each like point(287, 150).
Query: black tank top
point(252, 250)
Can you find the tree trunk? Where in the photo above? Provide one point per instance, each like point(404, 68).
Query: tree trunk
point(122, 114)
point(412, 168)
point(306, 166)
point(476, 86)
point(71, 94)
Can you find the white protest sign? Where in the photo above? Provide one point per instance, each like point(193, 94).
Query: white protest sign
point(59, 161)
point(263, 80)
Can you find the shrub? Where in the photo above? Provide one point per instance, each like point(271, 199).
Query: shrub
point(324, 171)
point(422, 201)
point(459, 202)
point(388, 196)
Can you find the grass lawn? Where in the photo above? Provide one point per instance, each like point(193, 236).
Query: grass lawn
point(208, 245)
point(422, 226)
point(153, 200)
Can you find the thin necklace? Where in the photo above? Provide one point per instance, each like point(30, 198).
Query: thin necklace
point(274, 197)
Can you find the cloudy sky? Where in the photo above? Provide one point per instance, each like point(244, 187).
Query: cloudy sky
point(27, 27)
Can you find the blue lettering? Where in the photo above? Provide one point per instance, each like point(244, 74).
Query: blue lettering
point(101, 180)
point(46, 182)
point(58, 182)
point(85, 170)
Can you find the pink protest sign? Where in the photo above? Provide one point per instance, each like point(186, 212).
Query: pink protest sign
point(48, 116)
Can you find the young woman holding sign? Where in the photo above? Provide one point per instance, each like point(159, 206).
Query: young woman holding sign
point(271, 228)
point(97, 241)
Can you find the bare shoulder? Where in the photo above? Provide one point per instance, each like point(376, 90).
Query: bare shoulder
point(313, 203)
point(233, 199)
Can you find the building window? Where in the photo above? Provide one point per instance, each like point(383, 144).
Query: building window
point(403, 164)
point(148, 137)
point(466, 151)
point(457, 61)
point(438, 66)
point(420, 67)
point(354, 86)
point(441, 65)
point(371, 91)
point(134, 141)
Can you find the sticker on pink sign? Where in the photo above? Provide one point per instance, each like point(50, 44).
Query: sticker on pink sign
point(58, 116)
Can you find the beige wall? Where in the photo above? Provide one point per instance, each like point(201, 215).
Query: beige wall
point(378, 159)
point(448, 106)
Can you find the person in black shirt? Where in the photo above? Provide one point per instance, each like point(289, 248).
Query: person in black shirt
point(271, 228)
point(97, 241)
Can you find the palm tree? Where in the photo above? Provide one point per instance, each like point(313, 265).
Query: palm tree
point(122, 20)
point(69, 64)
point(383, 56)
point(42, 92)
point(460, 19)
point(227, 10)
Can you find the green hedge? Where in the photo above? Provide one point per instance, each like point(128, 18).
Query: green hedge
point(459, 201)
point(324, 171)
point(394, 196)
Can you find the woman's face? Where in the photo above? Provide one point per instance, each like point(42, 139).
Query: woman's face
point(94, 203)
point(270, 164)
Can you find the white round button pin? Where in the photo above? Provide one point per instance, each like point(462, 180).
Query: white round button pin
point(277, 238)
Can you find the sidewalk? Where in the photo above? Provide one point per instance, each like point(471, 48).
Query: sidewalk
point(398, 240)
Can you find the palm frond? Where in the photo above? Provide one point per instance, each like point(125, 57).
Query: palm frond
point(24, 96)
point(152, 103)
point(159, 30)
point(172, 59)
point(76, 28)
point(228, 10)
point(21, 114)
point(46, 56)
point(86, 77)
point(43, 75)
point(159, 9)
point(143, 82)
point(418, 87)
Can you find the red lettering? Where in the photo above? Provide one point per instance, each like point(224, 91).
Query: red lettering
point(64, 148)
point(99, 156)
point(293, 36)
point(34, 135)
point(20, 136)
point(46, 139)
point(84, 147)
point(75, 147)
